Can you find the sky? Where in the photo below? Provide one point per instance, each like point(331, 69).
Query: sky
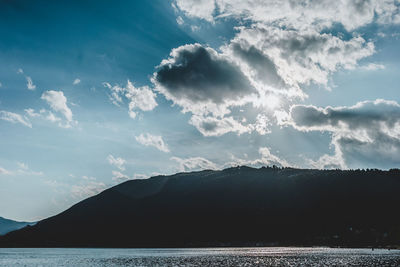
point(94, 93)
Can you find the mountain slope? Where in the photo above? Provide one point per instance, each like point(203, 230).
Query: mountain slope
point(236, 206)
point(7, 225)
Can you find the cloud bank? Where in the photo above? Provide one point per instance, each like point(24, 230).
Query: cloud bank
point(368, 131)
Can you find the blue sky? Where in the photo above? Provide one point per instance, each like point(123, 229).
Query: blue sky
point(94, 93)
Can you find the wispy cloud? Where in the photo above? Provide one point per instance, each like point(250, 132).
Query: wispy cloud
point(58, 102)
point(140, 98)
point(14, 118)
point(76, 81)
point(117, 162)
point(30, 84)
point(152, 140)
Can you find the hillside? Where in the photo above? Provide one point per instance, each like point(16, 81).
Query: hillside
point(233, 207)
point(7, 225)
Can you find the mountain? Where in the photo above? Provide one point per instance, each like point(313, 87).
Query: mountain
point(238, 206)
point(7, 225)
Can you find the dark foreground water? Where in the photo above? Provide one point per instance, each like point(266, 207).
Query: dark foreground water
point(274, 256)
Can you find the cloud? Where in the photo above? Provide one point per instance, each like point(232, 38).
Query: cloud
point(119, 177)
point(198, 8)
point(51, 117)
point(23, 169)
point(47, 115)
point(279, 49)
point(293, 58)
point(30, 84)
point(22, 165)
point(296, 14)
point(117, 162)
point(76, 81)
point(4, 171)
point(14, 118)
point(140, 176)
point(152, 140)
point(207, 84)
point(368, 131)
point(212, 126)
point(58, 102)
point(87, 189)
point(194, 163)
point(31, 113)
point(140, 98)
point(373, 66)
point(180, 20)
point(266, 159)
point(201, 80)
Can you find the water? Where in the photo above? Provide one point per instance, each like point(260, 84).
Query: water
point(275, 256)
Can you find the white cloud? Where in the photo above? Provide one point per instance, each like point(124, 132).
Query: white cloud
point(140, 98)
point(197, 8)
point(119, 177)
point(14, 118)
point(296, 14)
point(373, 66)
point(23, 169)
point(87, 189)
point(194, 163)
point(117, 162)
point(22, 165)
point(152, 140)
point(29, 83)
point(31, 112)
point(266, 159)
point(51, 117)
point(139, 176)
point(295, 58)
point(262, 125)
point(58, 102)
point(76, 81)
point(212, 126)
point(180, 20)
point(326, 161)
point(4, 171)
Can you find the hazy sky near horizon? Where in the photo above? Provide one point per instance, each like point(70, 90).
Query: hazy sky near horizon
point(93, 93)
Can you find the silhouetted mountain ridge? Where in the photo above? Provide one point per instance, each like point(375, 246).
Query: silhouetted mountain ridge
point(236, 206)
point(7, 225)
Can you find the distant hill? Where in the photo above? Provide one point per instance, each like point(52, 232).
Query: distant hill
point(239, 206)
point(7, 225)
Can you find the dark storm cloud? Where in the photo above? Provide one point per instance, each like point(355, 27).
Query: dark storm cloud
point(200, 74)
point(366, 114)
point(368, 132)
point(264, 67)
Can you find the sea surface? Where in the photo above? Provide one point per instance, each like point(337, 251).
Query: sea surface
point(271, 256)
